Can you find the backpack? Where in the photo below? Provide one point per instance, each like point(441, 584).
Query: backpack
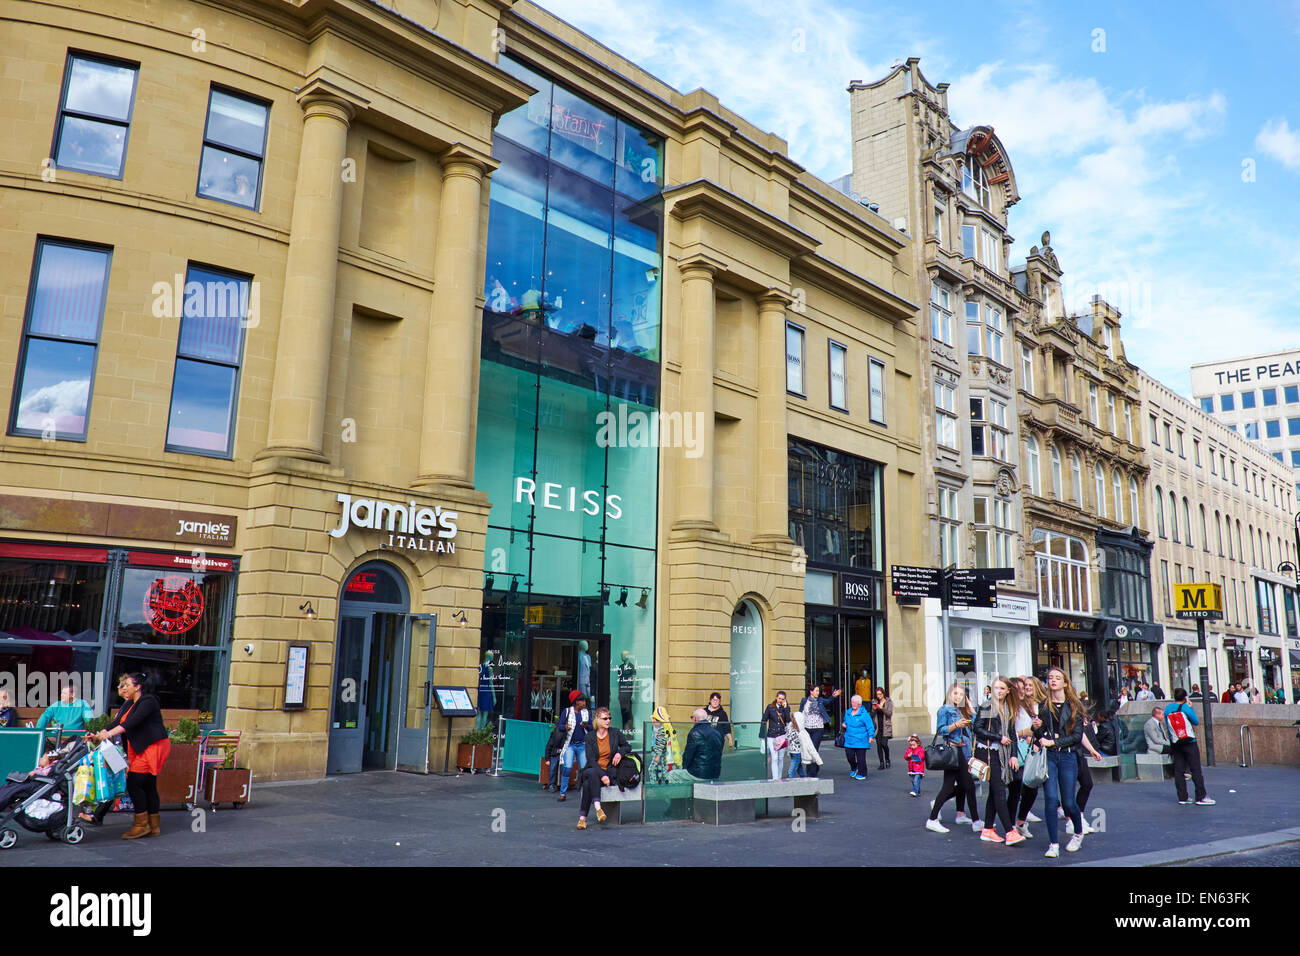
point(1179, 727)
point(628, 772)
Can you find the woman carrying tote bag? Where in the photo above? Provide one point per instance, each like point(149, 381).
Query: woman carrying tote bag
point(995, 744)
point(953, 723)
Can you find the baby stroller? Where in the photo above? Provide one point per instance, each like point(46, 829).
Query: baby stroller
point(44, 804)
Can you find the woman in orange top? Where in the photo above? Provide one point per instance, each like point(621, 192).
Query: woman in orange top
point(147, 745)
point(606, 748)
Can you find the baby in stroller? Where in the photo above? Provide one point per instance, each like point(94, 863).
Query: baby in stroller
point(42, 800)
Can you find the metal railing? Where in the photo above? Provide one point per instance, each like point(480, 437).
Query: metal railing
point(1247, 742)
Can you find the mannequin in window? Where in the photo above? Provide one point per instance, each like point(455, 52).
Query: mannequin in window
point(486, 698)
point(584, 669)
point(626, 686)
point(862, 686)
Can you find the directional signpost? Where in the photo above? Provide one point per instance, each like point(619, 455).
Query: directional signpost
point(1201, 602)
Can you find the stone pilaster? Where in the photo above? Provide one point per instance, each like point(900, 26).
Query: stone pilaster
point(695, 485)
point(772, 510)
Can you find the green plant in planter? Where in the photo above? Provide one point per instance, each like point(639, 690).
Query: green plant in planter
point(479, 738)
point(229, 762)
point(186, 732)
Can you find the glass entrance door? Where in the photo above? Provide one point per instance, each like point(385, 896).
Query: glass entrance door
point(560, 663)
point(346, 725)
point(378, 695)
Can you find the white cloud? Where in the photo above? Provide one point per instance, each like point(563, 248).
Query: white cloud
point(54, 404)
point(1278, 140)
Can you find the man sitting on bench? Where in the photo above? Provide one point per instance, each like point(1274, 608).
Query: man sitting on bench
point(1156, 734)
point(702, 759)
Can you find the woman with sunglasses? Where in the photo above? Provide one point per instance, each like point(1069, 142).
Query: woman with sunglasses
point(606, 748)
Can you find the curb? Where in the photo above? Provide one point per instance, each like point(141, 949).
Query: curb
point(1200, 851)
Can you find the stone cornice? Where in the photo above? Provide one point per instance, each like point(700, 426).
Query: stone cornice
point(878, 300)
point(707, 200)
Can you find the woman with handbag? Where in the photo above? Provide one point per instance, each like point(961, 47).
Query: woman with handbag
point(882, 712)
point(1062, 716)
point(1020, 796)
point(147, 746)
point(999, 758)
point(775, 719)
point(605, 747)
point(859, 729)
point(953, 724)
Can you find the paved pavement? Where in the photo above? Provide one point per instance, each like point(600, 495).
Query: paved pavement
point(394, 819)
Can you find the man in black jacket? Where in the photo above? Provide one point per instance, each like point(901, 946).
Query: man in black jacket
point(702, 759)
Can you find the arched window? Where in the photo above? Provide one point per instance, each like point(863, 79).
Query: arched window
point(1160, 513)
point(1250, 533)
point(1218, 532)
point(973, 182)
point(1063, 572)
point(1241, 550)
point(1135, 515)
point(1056, 473)
point(1076, 479)
point(1187, 524)
point(1099, 485)
point(1035, 479)
point(1117, 486)
point(1227, 523)
point(1173, 516)
point(1205, 534)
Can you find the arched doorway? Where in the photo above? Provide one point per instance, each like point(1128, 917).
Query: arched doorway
point(746, 671)
point(371, 650)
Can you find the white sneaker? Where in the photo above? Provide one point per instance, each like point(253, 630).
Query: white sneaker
point(1023, 830)
point(1205, 802)
point(977, 825)
point(1053, 851)
point(961, 817)
point(1088, 827)
point(934, 826)
point(1076, 841)
point(1033, 818)
point(1069, 827)
point(1185, 803)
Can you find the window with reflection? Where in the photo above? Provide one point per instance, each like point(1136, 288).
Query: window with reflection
point(56, 362)
point(234, 148)
point(95, 115)
point(1064, 578)
point(205, 385)
point(1126, 584)
point(835, 502)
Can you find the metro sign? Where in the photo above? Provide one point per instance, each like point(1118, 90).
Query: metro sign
point(1204, 601)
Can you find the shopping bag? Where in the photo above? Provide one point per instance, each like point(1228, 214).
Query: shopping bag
point(83, 784)
point(107, 784)
point(1035, 773)
point(112, 756)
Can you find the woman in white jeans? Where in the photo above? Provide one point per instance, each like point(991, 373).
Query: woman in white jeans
point(775, 719)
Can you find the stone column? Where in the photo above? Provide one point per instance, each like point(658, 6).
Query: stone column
point(306, 332)
point(772, 522)
point(456, 326)
point(695, 481)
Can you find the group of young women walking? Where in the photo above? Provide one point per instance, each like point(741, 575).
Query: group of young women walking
point(1022, 716)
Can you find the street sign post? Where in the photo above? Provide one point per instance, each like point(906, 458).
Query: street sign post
point(1201, 602)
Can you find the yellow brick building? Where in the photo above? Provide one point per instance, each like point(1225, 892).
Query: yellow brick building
point(305, 345)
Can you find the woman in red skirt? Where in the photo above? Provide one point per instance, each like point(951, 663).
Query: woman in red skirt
point(147, 746)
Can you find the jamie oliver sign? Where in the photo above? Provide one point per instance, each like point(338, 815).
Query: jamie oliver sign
point(408, 527)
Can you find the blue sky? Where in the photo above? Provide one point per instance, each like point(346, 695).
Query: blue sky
point(1132, 155)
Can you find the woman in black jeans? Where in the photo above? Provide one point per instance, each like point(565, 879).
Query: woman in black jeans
point(147, 745)
point(606, 748)
point(995, 745)
point(953, 723)
point(1020, 799)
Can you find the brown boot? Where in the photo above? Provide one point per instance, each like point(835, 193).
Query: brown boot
point(154, 824)
point(139, 828)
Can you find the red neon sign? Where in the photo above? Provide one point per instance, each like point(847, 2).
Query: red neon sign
point(362, 583)
point(173, 604)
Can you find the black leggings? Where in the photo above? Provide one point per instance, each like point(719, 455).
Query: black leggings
point(814, 768)
point(959, 782)
point(1085, 781)
point(883, 743)
point(997, 799)
point(1027, 797)
point(142, 788)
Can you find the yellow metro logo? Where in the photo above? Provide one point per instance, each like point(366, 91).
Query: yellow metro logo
point(1198, 601)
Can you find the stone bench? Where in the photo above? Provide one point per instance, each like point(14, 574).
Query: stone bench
point(612, 800)
point(1153, 766)
point(1106, 763)
point(733, 802)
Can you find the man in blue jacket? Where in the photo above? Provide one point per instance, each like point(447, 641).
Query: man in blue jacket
point(1182, 721)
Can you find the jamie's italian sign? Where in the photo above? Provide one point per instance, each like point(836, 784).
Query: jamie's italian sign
point(409, 527)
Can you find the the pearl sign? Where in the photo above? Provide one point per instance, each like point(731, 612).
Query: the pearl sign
point(411, 528)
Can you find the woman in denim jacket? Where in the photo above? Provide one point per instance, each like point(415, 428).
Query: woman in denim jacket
point(953, 722)
point(1061, 731)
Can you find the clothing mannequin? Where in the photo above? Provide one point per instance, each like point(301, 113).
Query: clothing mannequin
point(863, 685)
point(626, 687)
point(486, 699)
point(584, 670)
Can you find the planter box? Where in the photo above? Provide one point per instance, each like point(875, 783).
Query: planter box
point(228, 786)
point(179, 775)
point(474, 756)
